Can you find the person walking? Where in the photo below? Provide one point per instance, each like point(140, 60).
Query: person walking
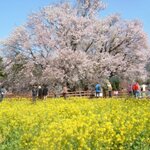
point(34, 93)
point(45, 92)
point(2, 93)
point(65, 91)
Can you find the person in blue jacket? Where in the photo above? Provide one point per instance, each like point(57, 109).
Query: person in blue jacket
point(98, 90)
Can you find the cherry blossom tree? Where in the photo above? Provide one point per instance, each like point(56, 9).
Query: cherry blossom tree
point(89, 8)
point(62, 44)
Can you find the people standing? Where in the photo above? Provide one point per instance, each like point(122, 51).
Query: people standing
point(130, 91)
point(98, 90)
point(105, 89)
point(2, 93)
point(109, 89)
point(34, 93)
point(45, 92)
point(143, 90)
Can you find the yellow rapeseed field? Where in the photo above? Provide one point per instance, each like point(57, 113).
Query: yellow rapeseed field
point(75, 124)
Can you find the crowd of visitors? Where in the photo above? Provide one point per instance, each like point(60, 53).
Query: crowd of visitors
point(134, 89)
point(139, 91)
point(101, 90)
point(39, 91)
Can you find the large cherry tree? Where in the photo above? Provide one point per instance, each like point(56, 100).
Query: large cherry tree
point(65, 44)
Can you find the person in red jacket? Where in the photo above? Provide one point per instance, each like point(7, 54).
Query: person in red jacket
point(136, 89)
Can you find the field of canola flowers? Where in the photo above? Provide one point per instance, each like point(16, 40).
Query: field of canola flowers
point(75, 124)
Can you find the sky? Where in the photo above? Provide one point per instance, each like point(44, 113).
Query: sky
point(14, 13)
